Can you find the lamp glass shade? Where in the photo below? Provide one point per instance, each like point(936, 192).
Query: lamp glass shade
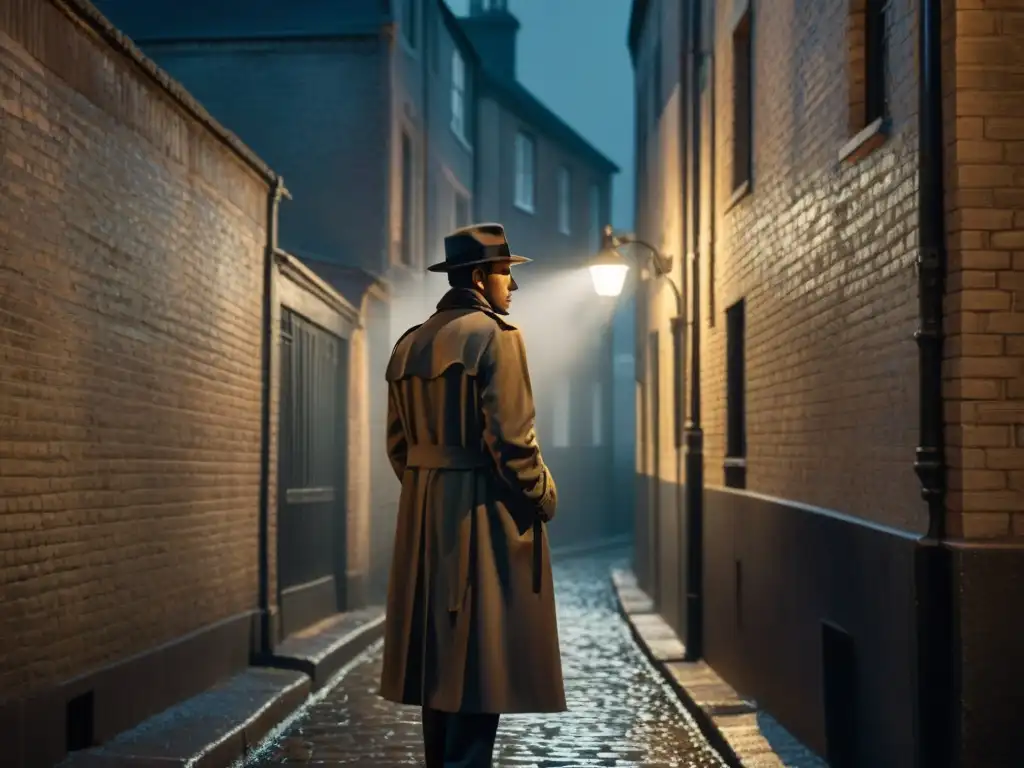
point(609, 277)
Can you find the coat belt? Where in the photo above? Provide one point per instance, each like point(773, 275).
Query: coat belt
point(452, 457)
point(445, 457)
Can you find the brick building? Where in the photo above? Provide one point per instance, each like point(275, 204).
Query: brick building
point(143, 296)
point(835, 180)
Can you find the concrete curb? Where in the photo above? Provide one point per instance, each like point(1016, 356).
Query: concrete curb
point(745, 736)
point(211, 730)
point(223, 725)
point(324, 648)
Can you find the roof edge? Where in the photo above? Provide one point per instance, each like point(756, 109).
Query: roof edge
point(455, 29)
point(637, 18)
point(500, 87)
point(85, 13)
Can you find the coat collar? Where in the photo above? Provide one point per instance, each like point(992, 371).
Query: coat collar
point(463, 298)
point(467, 298)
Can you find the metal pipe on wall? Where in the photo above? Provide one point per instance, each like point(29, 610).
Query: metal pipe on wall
point(266, 634)
point(933, 572)
point(694, 435)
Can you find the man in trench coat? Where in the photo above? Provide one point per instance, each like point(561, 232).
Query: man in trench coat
point(470, 630)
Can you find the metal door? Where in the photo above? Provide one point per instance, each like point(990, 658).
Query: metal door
point(311, 512)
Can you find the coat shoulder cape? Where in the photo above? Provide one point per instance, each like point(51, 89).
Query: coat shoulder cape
point(451, 337)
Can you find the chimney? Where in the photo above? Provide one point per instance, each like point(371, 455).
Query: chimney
point(493, 31)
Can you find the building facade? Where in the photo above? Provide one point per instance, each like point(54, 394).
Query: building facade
point(838, 184)
point(552, 191)
point(138, 502)
point(398, 123)
point(368, 113)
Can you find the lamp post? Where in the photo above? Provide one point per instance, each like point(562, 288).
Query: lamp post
point(608, 272)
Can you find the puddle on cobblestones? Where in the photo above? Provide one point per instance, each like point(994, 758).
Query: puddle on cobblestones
point(621, 713)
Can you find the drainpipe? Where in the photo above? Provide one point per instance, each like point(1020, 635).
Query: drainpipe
point(933, 566)
point(266, 633)
point(679, 322)
point(694, 435)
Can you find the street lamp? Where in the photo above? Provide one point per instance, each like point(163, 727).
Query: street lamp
point(608, 271)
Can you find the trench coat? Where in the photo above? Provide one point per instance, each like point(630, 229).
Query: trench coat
point(466, 629)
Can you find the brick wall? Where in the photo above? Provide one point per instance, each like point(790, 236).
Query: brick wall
point(823, 253)
point(131, 244)
point(984, 367)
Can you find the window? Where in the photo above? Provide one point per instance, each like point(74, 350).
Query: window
point(596, 416)
point(867, 62)
point(458, 95)
point(560, 436)
point(735, 396)
point(564, 200)
point(875, 101)
point(407, 210)
point(595, 218)
point(742, 106)
point(410, 22)
point(460, 211)
point(525, 164)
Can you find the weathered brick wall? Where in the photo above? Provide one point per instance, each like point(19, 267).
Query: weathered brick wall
point(823, 252)
point(984, 367)
point(131, 244)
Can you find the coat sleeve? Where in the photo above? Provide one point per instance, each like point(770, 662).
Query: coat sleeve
point(506, 398)
point(397, 444)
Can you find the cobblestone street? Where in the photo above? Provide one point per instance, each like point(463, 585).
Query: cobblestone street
point(620, 711)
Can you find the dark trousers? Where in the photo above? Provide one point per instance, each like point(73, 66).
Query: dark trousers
point(458, 739)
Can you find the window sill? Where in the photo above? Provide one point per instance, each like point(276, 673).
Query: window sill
point(524, 208)
point(866, 141)
point(737, 195)
point(462, 139)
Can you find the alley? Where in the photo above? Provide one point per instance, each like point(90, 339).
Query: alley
point(620, 712)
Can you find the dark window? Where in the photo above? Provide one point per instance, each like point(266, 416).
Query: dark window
point(410, 21)
point(742, 102)
point(407, 212)
point(736, 395)
point(875, 55)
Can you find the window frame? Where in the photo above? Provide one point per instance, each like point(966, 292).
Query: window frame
point(458, 95)
point(525, 192)
point(564, 200)
point(742, 105)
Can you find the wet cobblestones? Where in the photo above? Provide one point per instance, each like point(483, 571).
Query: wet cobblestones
point(620, 711)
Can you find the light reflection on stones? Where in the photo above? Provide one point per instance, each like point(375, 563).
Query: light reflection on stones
point(620, 711)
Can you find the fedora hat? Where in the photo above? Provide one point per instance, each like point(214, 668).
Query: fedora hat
point(474, 245)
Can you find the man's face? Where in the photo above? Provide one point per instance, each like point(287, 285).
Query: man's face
point(496, 285)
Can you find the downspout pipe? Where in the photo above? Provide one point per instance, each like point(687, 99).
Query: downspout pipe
point(679, 322)
point(933, 569)
point(694, 434)
point(266, 639)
